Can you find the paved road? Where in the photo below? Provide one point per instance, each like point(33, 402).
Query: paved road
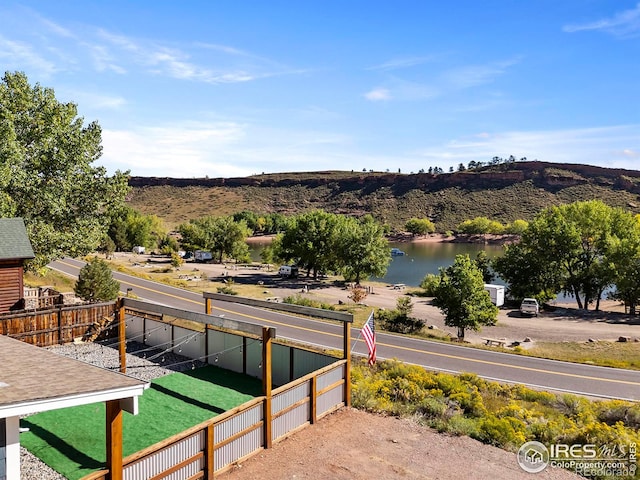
point(546, 374)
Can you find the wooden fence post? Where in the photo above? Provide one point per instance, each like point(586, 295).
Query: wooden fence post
point(122, 336)
point(267, 335)
point(209, 450)
point(347, 357)
point(114, 439)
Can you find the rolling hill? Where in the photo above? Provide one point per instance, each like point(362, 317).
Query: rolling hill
point(503, 192)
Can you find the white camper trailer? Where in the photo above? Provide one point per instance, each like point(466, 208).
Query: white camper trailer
point(496, 292)
point(288, 271)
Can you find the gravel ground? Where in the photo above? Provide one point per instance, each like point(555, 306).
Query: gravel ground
point(106, 355)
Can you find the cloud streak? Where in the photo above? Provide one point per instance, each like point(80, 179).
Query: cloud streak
point(623, 24)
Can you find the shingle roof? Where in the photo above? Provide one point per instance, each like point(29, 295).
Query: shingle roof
point(14, 242)
point(33, 379)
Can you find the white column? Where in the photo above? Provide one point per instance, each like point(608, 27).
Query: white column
point(13, 448)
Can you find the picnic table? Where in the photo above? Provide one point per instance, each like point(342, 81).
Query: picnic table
point(498, 342)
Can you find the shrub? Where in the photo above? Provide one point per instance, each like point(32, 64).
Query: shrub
point(614, 411)
point(399, 320)
point(307, 302)
point(358, 294)
point(460, 425)
point(432, 407)
point(227, 290)
point(502, 432)
point(429, 284)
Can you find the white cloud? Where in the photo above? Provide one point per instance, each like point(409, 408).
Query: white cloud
point(57, 29)
point(97, 100)
point(378, 94)
point(188, 150)
point(21, 56)
point(474, 75)
point(404, 62)
point(614, 147)
point(103, 60)
point(628, 152)
point(623, 24)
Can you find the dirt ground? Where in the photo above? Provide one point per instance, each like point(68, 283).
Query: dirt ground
point(351, 444)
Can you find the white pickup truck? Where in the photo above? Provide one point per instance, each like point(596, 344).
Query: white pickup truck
point(529, 306)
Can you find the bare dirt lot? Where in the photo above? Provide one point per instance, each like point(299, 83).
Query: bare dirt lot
point(351, 445)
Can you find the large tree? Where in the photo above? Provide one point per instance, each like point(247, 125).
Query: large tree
point(419, 226)
point(461, 296)
point(362, 248)
point(47, 174)
point(579, 249)
point(223, 236)
point(129, 228)
point(310, 240)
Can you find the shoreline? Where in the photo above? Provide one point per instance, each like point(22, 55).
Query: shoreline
point(429, 238)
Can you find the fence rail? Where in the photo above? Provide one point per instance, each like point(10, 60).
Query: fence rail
point(55, 325)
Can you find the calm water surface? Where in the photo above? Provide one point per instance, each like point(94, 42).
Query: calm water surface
point(419, 259)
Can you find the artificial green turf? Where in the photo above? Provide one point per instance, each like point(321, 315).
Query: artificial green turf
point(72, 440)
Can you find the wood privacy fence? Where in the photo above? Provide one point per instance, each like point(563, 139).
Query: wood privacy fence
point(55, 325)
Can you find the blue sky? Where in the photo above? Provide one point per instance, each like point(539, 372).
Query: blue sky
point(235, 88)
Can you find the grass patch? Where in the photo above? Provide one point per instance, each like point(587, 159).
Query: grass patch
point(72, 440)
point(51, 278)
point(607, 354)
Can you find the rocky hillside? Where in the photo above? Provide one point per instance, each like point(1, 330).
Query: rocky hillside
point(504, 192)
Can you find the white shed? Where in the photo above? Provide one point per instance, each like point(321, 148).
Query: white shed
point(496, 292)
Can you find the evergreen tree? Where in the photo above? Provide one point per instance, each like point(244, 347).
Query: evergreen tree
point(95, 282)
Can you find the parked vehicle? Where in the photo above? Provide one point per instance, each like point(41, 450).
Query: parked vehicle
point(529, 306)
point(496, 292)
point(202, 256)
point(288, 271)
point(138, 249)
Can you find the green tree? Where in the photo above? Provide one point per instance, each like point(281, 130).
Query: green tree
point(362, 248)
point(517, 227)
point(219, 235)
point(580, 249)
point(310, 240)
point(129, 228)
point(461, 297)
point(419, 226)
point(526, 273)
point(625, 259)
point(481, 226)
point(96, 283)
point(429, 284)
point(47, 174)
point(484, 264)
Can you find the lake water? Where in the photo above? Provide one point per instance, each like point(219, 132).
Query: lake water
point(419, 259)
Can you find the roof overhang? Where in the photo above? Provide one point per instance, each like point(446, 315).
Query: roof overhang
point(128, 397)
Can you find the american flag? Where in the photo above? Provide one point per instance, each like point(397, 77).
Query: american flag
point(369, 333)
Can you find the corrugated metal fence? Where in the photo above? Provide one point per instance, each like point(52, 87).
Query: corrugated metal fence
point(215, 445)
